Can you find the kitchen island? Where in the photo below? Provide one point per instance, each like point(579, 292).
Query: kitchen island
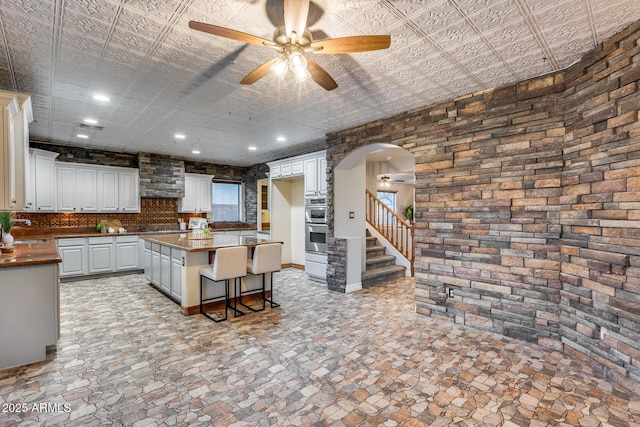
point(172, 264)
point(29, 302)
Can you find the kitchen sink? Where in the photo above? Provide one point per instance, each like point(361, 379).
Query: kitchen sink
point(28, 241)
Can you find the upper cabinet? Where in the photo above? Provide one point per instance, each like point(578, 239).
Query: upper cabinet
point(42, 181)
point(313, 166)
point(15, 116)
point(90, 189)
point(315, 176)
point(197, 193)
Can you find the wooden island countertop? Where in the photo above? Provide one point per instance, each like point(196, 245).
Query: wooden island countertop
point(26, 254)
point(186, 243)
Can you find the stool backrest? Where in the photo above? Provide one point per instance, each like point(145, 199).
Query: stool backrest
point(266, 258)
point(230, 262)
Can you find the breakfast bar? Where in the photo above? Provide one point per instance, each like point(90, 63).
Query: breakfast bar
point(172, 263)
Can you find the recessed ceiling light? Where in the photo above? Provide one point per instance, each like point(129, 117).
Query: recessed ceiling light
point(253, 148)
point(102, 98)
point(281, 139)
point(195, 151)
point(82, 135)
point(179, 136)
point(91, 121)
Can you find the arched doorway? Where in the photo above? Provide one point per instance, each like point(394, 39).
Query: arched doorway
point(355, 176)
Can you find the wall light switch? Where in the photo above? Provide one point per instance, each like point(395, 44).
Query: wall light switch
point(352, 215)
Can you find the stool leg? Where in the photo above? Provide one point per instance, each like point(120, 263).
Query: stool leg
point(236, 290)
point(226, 302)
point(273, 304)
point(245, 305)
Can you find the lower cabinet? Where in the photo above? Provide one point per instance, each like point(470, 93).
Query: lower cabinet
point(101, 255)
point(97, 255)
point(74, 257)
point(164, 267)
point(315, 265)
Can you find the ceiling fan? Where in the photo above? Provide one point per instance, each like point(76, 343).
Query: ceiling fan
point(294, 43)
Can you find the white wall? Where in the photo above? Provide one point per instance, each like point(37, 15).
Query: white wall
point(349, 196)
point(281, 216)
point(297, 221)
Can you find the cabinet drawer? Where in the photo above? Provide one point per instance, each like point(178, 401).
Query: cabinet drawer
point(78, 241)
point(100, 240)
point(297, 168)
point(126, 239)
point(317, 258)
point(166, 250)
point(176, 254)
point(285, 170)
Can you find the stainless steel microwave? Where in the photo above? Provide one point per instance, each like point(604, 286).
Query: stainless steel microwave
point(315, 214)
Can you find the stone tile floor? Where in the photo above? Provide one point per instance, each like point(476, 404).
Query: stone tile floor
point(128, 357)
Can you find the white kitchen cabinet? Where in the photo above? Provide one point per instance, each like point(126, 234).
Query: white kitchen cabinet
point(315, 176)
point(147, 259)
point(274, 171)
point(177, 264)
point(108, 200)
point(73, 252)
point(86, 190)
point(66, 188)
point(293, 166)
point(197, 193)
point(44, 180)
point(165, 269)
point(155, 264)
point(126, 253)
point(101, 255)
point(15, 116)
point(129, 191)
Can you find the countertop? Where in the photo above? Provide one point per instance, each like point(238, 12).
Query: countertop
point(25, 254)
point(182, 241)
point(70, 232)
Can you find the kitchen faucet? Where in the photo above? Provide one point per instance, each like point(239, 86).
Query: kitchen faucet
point(26, 221)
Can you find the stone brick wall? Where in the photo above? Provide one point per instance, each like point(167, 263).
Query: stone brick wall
point(94, 157)
point(161, 176)
point(527, 200)
point(600, 273)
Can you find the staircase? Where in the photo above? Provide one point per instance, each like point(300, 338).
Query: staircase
point(380, 267)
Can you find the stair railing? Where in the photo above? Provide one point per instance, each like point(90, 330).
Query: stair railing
point(391, 226)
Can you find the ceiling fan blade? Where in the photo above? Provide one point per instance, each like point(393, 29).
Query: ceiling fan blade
point(229, 33)
point(350, 44)
point(295, 16)
point(259, 72)
point(320, 75)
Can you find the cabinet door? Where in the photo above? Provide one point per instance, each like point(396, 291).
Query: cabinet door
point(204, 195)
point(322, 176)
point(310, 177)
point(74, 261)
point(87, 190)
point(147, 264)
point(188, 202)
point(101, 258)
point(66, 188)
point(285, 170)
point(129, 191)
point(176, 278)
point(108, 191)
point(165, 273)
point(155, 266)
point(297, 168)
point(274, 172)
point(126, 256)
point(45, 183)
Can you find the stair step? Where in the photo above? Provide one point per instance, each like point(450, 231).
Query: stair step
point(373, 251)
point(382, 274)
point(371, 241)
point(380, 261)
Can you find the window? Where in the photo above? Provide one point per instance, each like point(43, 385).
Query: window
point(388, 199)
point(227, 201)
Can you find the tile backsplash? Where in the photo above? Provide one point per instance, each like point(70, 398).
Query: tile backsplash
point(152, 211)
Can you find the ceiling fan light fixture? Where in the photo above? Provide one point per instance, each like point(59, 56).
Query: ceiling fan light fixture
point(281, 67)
point(297, 63)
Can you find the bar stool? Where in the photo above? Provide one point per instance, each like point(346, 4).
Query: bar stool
point(228, 263)
point(267, 258)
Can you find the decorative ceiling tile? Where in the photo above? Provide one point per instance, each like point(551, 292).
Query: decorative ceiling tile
point(164, 77)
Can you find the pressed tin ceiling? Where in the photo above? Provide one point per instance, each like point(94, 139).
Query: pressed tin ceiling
point(164, 78)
